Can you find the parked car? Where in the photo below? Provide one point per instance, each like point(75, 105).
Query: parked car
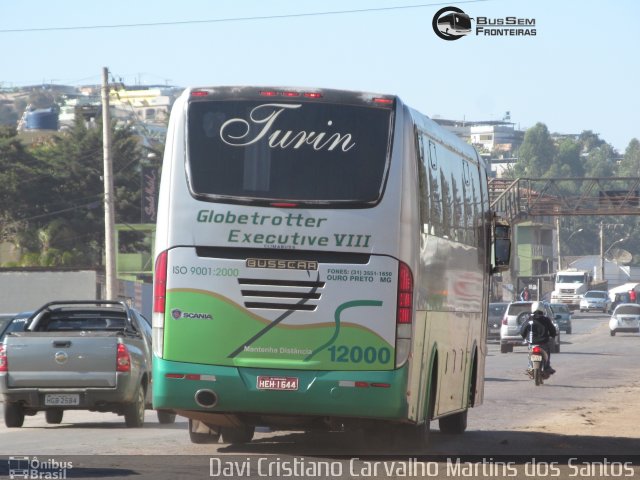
point(595, 300)
point(562, 316)
point(78, 355)
point(17, 323)
point(625, 318)
point(515, 315)
point(496, 314)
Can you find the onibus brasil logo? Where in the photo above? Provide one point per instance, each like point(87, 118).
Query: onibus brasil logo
point(26, 467)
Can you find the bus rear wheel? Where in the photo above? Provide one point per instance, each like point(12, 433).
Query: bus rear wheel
point(453, 424)
point(200, 433)
point(235, 435)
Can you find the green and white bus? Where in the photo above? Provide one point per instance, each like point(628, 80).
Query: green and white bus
point(322, 261)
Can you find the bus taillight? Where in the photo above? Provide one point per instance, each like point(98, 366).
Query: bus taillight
point(160, 283)
point(405, 294)
point(404, 315)
point(159, 304)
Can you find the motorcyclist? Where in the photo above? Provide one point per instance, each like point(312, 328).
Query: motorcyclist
point(537, 330)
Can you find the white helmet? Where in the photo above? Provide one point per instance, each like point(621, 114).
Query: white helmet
point(536, 307)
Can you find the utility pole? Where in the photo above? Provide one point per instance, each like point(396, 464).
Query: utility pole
point(109, 216)
point(601, 251)
point(558, 242)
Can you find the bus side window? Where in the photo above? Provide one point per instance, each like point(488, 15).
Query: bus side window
point(435, 194)
point(446, 177)
point(423, 185)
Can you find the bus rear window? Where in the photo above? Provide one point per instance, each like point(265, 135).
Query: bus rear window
point(287, 151)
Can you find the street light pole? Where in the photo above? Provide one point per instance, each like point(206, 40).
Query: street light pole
point(603, 252)
point(567, 240)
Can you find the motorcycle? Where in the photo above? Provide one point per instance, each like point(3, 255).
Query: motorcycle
point(538, 359)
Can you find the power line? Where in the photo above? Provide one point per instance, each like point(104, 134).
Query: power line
point(90, 205)
point(234, 19)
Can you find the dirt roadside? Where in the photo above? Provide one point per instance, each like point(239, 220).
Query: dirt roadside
point(614, 415)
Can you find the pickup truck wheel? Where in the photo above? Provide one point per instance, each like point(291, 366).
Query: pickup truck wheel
point(54, 416)
point(13, 415)
point(134, 412)
point(165, 417)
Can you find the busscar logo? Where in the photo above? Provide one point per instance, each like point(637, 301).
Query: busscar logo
point(281, 264)
point(451, 23)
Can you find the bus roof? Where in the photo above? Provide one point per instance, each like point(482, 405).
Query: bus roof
point(289, 93)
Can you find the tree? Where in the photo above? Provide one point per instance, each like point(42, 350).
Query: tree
point(630, 165)
point(600, 161)
point(54, 191)
point(589, 140)
point(536, 154)
point(24, 190)
point(567, 162)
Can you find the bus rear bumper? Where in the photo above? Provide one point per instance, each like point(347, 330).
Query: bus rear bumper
point(233, 390)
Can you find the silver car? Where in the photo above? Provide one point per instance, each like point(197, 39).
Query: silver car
point(517, 313)
point(595, 300)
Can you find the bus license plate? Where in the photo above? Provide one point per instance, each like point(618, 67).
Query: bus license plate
point(61, 399)
point(536, 358)
point(277, 383)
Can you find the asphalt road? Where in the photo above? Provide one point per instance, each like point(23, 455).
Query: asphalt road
point(589, 365)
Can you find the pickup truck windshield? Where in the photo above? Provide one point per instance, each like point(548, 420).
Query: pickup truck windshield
point(79, 322)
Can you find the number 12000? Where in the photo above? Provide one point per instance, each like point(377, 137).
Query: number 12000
point(357, 354)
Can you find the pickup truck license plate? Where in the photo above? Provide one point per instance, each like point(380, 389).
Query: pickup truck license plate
point(61, 399)
point(536, 358)
point(277, 383)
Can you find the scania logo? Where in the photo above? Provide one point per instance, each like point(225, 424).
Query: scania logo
point(60, 357)
point(177, 314)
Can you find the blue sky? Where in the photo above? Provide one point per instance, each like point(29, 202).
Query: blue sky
point(579, 72)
